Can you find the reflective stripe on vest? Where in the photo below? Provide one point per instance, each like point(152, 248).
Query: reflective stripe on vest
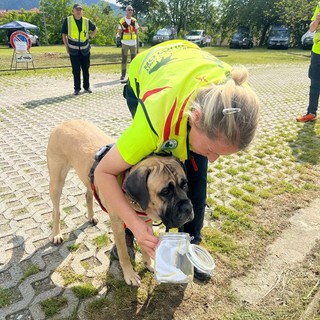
point(129, 31)
point(78, 40)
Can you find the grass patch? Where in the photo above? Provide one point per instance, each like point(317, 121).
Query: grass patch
point(74, 247)
point(32, 269)
point(98, 305)
point(53, 305)
point(70, 277)
point(101, 241)
point(84, 291)
point(5, 297)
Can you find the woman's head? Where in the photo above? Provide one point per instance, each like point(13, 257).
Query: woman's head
point(227, 111)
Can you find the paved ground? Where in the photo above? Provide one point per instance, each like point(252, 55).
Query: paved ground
point(30, 108)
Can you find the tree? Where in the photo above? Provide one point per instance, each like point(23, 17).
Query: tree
point(141, 7)
point(54, 12)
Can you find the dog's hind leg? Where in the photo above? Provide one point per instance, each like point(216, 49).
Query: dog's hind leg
point(58, 170)
point(89, 200)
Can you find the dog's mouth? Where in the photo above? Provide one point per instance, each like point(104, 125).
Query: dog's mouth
point(178, 215)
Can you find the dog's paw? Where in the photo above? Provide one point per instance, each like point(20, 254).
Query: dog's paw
point(57, 239)
point(94, 220)
point(132, 278)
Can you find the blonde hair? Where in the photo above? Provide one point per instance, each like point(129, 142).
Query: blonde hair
point(230, 109)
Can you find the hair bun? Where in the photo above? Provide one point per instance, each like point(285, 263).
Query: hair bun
point(239, 74)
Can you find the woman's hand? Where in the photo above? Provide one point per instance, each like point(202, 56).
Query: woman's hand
point(145, 237)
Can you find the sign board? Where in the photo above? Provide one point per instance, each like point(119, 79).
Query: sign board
point(24, 57)
point(21, 46)
point(17, 39)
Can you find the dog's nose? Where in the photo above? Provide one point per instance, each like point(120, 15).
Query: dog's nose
point(185, 210)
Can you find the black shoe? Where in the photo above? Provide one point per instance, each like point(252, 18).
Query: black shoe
point(88, 90)
point(76, 92)
point(200, 275)
point(130, 247)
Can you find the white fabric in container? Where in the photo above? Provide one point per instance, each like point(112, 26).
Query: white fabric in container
point(166, 260)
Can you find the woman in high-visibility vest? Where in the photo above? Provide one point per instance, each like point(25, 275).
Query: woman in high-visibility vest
point(187, 103)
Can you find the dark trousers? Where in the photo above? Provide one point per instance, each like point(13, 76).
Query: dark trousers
point(79, 62)
point(196, 169)
point(314, 75)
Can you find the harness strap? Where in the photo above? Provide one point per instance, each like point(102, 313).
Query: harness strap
point(99, 155)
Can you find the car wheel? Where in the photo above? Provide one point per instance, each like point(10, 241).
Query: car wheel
point(37, 42)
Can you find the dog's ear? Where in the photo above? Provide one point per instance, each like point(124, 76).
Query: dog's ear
point(135, 185)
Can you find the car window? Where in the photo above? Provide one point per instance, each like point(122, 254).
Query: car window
point(279, 33)
point(194, 33)
point(163, 32)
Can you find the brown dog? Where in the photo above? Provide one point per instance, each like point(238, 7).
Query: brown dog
point(156, 186)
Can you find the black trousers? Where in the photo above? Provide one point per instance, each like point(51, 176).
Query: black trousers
point(80, 62)
point(196, 169)
point(314, 75)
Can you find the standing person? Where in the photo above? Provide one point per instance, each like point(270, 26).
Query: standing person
point(128, 32)
point(75, 35)
point(314, 70)
point(187, 103)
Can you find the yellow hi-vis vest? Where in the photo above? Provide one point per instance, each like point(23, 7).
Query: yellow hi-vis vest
point(166, 78)
point(316, 38)
point(129, 31)
point(78, 40)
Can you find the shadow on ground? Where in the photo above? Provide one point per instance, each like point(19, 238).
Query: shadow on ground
point(306, 146)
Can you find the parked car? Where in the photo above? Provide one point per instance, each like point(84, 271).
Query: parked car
point(164, 34)
point(196, 36)
point(307, 40)
point(34, 38)
point(241, 40)
point(279, 37)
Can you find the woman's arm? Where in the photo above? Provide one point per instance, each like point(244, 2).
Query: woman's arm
point(105, 178)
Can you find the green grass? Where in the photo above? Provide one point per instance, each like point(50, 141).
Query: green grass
point(84, 291)
point(74, 247)
point(70, 277)
point(5, 297)
point(108, 59)
point(32, 269)
point(52, 306)
point(101, 241)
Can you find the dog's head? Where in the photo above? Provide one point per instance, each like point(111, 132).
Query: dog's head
point(159, 186)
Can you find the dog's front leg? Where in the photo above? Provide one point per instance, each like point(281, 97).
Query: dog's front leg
point(55, 189)
point(130, 276)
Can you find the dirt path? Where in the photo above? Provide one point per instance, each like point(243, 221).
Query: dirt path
point(290, 249)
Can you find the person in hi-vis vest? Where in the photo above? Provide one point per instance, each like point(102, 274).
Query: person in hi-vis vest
point(185, 103)
point(128, 32)
point(314, 69)
point(76, 32)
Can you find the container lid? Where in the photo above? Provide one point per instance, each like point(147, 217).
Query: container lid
point(201, 258)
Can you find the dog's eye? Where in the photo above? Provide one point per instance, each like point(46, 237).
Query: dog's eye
point(166, 192)
point(184, 186)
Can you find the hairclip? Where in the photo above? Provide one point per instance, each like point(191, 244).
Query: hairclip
point(230, 110)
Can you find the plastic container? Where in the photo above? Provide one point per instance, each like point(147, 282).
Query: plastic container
point(175, 258)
